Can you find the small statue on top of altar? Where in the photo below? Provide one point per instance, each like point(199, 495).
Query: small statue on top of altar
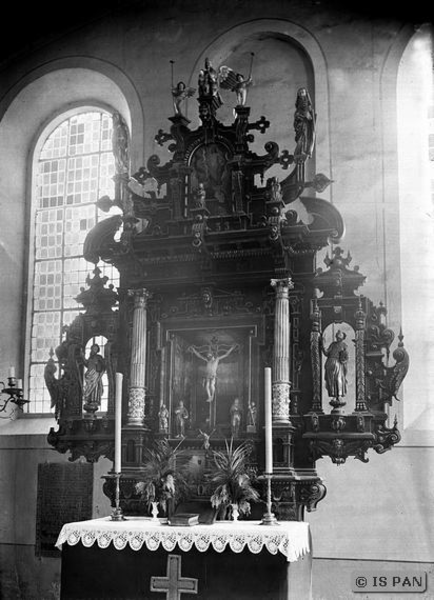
point(236, 82)
point(208, 83)
point(179, 93)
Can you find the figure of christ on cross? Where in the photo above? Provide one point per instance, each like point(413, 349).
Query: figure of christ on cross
point(173, 585)
point(212, 360)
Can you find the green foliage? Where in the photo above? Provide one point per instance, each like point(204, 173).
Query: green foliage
point(163, 478)
point(232, 478)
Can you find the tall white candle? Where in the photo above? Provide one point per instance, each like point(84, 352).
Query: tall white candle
point(11, 371)
point(118, 422)
point(268, 423)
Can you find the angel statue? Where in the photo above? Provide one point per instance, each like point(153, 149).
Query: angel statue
point(304, 126)
point(236, 82)
point(206, 438)
point(179, 93)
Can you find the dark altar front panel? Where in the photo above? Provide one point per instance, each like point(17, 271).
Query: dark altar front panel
point(107, 574)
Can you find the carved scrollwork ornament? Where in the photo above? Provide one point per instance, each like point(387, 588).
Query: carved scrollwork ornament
point(386, 437)
point(312, 493)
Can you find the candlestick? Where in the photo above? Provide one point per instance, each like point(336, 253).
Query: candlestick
point(268, 423)
point(118, 422)
point(268, 517)
point(11, 371)
point(117, 514)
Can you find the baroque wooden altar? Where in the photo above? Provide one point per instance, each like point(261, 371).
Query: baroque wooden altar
point(218, 280)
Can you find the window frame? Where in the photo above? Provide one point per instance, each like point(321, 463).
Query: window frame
point(45, 130)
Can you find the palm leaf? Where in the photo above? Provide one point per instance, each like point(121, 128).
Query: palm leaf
point(230, 476)
point(163, 474)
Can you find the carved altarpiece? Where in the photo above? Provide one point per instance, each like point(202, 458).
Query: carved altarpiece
point(219, 261)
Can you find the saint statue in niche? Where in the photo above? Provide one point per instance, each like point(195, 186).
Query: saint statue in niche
point(336, 367)
point(93, 385)
point(212, 360)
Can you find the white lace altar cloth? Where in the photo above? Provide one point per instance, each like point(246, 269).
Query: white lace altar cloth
point(290, 538)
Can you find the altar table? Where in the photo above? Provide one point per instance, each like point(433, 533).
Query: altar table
point(136, 559)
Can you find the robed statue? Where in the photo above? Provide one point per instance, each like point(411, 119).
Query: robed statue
point(236, 416)
point(304, 126)
point(335, 367)
point(181, 416)
point(93, 385)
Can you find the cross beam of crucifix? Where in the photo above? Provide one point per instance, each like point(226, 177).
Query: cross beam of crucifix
point(173, 585)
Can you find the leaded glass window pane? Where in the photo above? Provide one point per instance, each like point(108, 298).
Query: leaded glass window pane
point(75, 168)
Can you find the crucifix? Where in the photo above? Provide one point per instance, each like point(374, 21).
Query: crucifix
point(173, 585)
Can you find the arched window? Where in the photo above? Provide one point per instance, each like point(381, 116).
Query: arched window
point(415, 93)
point(73, 167)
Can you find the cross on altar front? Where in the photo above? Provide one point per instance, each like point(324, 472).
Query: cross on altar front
point(173, 584)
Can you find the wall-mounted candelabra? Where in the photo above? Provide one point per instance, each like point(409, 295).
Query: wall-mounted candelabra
point(14, 389)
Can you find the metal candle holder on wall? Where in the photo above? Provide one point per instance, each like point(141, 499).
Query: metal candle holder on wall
point(15, 392)
point(117, 514)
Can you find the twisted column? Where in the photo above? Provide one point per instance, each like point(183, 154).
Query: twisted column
point(315, 352)
point(360, 359)
point(136, 398)
point(282, 353)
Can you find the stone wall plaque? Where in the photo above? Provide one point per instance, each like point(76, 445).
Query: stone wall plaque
point(64, 495)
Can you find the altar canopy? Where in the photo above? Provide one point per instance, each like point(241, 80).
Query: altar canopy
point(136, 558)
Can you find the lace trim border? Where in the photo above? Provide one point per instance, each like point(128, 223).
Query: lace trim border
point(237, 542)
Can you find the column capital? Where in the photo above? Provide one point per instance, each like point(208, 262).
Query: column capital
point(141, 296)
point(282, 286)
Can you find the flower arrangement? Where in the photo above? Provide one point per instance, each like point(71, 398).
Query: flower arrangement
point(163, 482)
point(232, 477)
